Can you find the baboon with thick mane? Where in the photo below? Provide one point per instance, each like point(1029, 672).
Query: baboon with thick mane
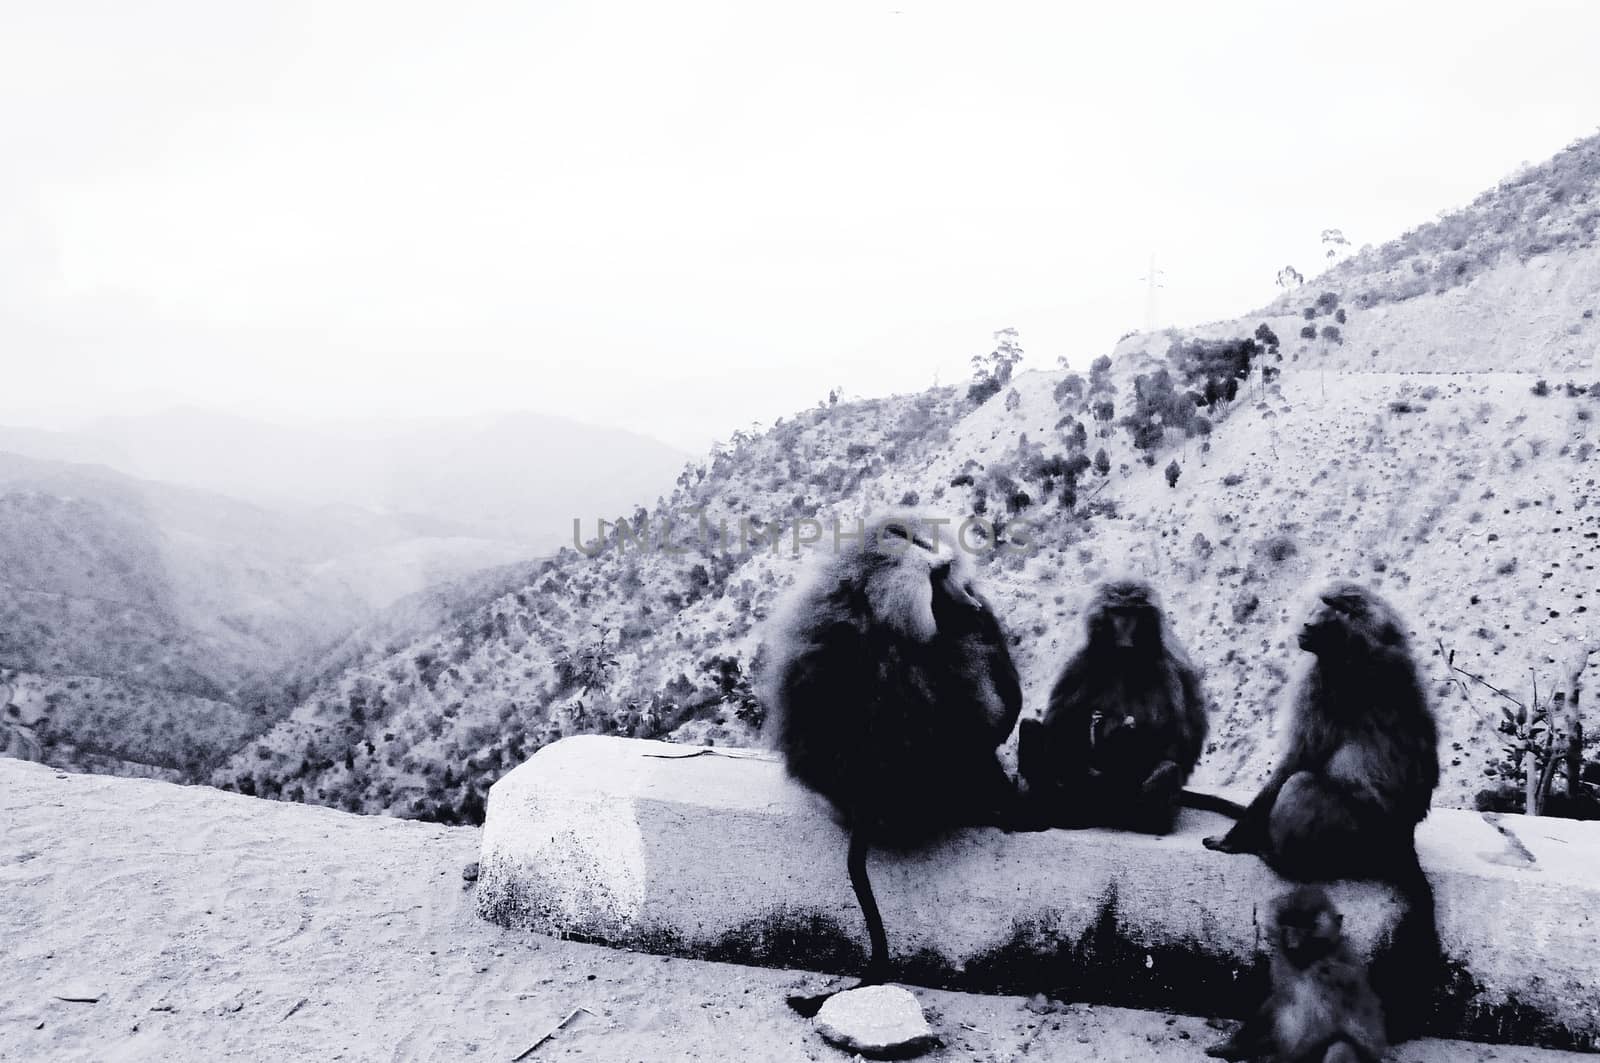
point(1125, 724)
point(1357, 774)
point(1321, 1008)
point(890, 688)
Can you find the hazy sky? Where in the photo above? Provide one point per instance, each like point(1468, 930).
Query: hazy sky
point(685, 217)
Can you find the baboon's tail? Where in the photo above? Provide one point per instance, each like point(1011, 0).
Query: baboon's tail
point(1210, 803)
point(878, 962)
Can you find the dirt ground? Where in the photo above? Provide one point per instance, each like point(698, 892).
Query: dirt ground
point(207, 926)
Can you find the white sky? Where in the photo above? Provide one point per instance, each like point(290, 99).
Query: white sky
point(685, 217)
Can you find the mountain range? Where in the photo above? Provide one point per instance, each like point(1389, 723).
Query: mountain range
point(1422, 418)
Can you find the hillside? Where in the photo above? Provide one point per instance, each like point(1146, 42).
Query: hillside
point(145, 623)
point(1439, 470)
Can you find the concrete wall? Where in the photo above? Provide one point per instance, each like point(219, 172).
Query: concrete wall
point(720, 856)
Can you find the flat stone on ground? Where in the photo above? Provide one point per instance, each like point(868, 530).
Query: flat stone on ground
point(878, 1021)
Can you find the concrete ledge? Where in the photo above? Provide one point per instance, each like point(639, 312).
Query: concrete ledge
point(719, 856)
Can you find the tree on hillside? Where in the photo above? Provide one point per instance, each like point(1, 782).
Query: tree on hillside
point(1104, 412)
point(1068, 388)
point(1100, 376)
point(1333, 242)
point(992, 371)
point(1267, 338)
point(1102, 463)
point(1074, 434)
point(1173, 472)
point(1289, 277)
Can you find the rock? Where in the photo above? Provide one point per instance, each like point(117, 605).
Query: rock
point(78, 993)
point(470, 872)
point(879, 1021)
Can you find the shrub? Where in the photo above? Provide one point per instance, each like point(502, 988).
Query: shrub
point(1542, 388)
point(1068, 387)
point(1102, 463)
point(1331, 334)
point(1279, 548)
point(981, 391)
point(1173, 472)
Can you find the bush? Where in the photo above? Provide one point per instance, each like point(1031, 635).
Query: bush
point(1068, 387)
point(981, 391)
point(1542, 388)
point(1279, 548)
point(1102, 463)
point(1309, 332)
point(1173, 472)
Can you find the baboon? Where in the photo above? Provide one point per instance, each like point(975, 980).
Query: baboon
point(1124, 726)
point(1357, 775)
point(890, 688)
point(1321, 1008)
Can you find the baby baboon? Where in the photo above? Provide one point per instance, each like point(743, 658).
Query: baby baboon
point(1321, 1008)
point(1124, 727)
point(891, 686)
point(1357, 775)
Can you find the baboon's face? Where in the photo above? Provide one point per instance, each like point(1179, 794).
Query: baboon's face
point(917, 582)
point(1324, 632)
point(1349, 619)
point(1124, 626)
point(1125, 619)
point(1309, 927)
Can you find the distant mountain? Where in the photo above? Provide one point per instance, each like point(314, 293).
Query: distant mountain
point(1407, 441)
point(519, 476)
point(154, 622)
